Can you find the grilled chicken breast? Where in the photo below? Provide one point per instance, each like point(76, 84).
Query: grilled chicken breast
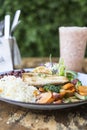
point(41, 79)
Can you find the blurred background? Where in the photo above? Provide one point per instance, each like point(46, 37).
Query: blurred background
point(37, 34)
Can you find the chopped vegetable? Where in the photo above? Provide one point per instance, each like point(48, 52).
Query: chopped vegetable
point(68, 89)
point(70, 99)
point(61, 68)
point(78, 83)
point(66, 100)
point(80, 96)
point(67, 86)
point(82, 90)
point(52, 88)
point(71, 75)
point(58, 101)
point(45, 98)
point(70, 92)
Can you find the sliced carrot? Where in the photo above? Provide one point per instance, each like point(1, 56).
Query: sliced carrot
point(58, 101)
point(45, 97)
point(82, 89)
point(70, 92)
point(41, 89)
point(68, 86)
point(50, 100)
point(83, 94)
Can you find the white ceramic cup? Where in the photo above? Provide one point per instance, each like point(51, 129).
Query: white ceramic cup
point(72, 46)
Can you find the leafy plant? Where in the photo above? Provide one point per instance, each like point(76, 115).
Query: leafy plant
point(37, 35)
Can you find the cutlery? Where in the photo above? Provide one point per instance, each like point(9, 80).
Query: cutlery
point(7, 26)
point(15, 20)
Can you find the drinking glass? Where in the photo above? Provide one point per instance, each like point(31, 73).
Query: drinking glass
point(72, 46)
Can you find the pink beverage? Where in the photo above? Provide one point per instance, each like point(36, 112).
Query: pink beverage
point(72, 46)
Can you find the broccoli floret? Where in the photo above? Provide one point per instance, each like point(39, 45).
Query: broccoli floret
point(52, 88)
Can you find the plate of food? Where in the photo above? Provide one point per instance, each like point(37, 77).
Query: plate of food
point(46, 87)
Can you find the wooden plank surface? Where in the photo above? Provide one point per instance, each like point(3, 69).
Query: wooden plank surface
point(17, 118)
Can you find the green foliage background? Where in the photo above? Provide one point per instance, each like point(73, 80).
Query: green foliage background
point(37, 34)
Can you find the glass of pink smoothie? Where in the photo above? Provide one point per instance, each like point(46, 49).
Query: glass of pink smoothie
point(72, 46)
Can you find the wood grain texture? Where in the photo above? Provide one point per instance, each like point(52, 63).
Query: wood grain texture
point(13, 117)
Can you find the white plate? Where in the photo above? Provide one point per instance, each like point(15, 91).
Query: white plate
point(44, 106)
point(82, 77)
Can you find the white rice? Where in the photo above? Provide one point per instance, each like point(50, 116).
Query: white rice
point(15, 89)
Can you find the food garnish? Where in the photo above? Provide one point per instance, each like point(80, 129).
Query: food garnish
point(71, 91)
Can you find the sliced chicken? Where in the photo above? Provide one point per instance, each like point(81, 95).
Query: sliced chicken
point(39, 79)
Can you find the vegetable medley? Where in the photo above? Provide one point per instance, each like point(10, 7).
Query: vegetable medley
point(71, 91)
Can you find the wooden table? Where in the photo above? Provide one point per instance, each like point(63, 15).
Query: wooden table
point(17, 118)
